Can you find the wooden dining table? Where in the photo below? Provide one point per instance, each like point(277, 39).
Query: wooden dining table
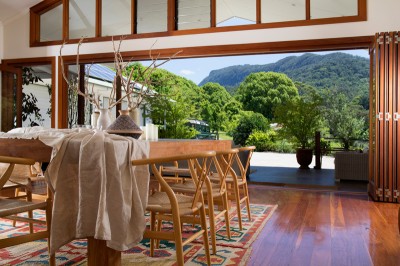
point(98, 251)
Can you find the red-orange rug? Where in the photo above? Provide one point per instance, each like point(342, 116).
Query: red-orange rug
point(234, 251)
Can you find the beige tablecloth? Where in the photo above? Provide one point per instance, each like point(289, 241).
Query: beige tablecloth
point(97, 191)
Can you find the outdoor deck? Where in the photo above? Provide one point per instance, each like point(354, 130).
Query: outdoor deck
point(281, 169)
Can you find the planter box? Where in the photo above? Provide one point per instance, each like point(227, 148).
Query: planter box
point(351, 166)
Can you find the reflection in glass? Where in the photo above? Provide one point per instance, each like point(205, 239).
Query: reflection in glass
point(151, 16)
point(116, 17)
point(51, 24)
point(235, 12)
point(333, 8)
point(279, 11)
point(193, 14)
point(82, 18)
point(99, 80)
point(36, 96)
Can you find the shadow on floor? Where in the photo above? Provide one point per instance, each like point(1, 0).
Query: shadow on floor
point(323, 179)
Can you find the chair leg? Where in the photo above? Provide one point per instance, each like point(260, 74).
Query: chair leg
point(52, 260)
point(237, 199)
point(178, 240)
point(52, 257)
point(205, 234)
point(246, 191)
point(159, 225)
point(227, 222)
point(30, 213)
point(17, 190)
point(211, 216)
point(152, 226)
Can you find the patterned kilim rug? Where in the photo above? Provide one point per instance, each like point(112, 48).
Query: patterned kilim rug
point(234, 251)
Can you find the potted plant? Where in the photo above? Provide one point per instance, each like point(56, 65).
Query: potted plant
point(299, 119)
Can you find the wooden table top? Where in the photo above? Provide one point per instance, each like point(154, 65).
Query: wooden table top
point(35, 149)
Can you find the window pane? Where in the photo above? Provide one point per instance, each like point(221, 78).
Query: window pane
point(99, 82)
point(333, 8)
point(236, 12)
point(193, 14)
point(151, 16)
point(116, 17)
point(36, 103)
point(82, 18)
point(51, 25)
point(279, 11)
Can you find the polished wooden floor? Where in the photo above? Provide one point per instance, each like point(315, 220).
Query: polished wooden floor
point(325, 228)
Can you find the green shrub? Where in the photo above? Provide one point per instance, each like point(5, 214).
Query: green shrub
point(283, 146)
point(325, 147)
point(264, 141)
point(248, 123)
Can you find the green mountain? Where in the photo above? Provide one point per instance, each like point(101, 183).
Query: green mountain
point(347, 73)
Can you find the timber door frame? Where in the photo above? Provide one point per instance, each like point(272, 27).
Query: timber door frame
point(11, 78)
point(26, 62)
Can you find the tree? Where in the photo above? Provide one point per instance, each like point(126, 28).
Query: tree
point(249, 122)
point(346, 119)
point(173, 113)
point(300, 118)
point(179, 101)
point(218, 106)
point(262, 92)
point(30, 110)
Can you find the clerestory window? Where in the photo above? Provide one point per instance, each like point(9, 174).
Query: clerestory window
point(54, 21)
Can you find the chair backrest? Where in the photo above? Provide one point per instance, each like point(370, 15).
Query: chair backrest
point(244, 163)
point(223, 164)
point(199, 164)
point(12, 161)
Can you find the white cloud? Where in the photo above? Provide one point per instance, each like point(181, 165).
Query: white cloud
point(186, 72)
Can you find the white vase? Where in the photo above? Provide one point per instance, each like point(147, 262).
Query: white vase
point(104, 119)
point(135, 115)
point(93, 119)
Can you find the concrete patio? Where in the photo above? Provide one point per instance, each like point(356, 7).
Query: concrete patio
point(282, 169)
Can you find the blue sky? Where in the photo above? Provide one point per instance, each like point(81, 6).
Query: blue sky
point(197, 69)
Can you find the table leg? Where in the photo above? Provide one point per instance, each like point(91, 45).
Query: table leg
point(99, 254)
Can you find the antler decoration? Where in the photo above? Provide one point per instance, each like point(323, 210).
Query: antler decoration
point(134, 92)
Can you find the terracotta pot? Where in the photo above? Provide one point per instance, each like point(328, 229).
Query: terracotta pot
point(304, 157)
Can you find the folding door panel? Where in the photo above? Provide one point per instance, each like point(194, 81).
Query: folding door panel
point(385, 133)
point(11, 90)
point(396, 120)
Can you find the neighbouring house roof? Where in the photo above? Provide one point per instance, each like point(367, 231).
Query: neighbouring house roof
point(100, 72)
point(104, 73)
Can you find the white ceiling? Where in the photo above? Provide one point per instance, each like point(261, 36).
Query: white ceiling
point(11, 8)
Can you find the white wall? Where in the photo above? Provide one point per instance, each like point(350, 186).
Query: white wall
point(381, 17)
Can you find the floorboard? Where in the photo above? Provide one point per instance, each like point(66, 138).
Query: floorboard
point(325, 228)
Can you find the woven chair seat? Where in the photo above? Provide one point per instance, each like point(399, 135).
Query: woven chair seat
point(159, 202)
point(175, 170)
point(37, 185)
point(189, 188)
point(12, 185)
point(15, 173)
point(229, 179)
point(9, 207)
